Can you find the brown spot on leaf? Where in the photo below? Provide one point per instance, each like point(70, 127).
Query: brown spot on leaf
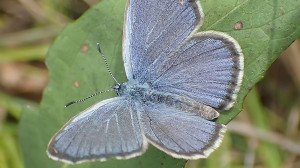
point(76, 83)
point(84, 48)
point(119, 29)
point(238, 25)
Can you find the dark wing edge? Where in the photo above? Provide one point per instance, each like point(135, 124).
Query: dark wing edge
point(194, 156)
point(54, 155)
point(199, 10)
point(238, 74)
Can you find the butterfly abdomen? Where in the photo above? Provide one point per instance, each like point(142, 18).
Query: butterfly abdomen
point(145, 94)
point(184, 104)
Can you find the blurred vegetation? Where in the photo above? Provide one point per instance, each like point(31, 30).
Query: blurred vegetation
point(265, 134)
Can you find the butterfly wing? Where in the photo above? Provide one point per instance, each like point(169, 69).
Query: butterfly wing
point(109, 128)
point(152, 29)
point(178, 133)
point(207, 67)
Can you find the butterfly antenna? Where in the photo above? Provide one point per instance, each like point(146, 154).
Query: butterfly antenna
point(81, 100)
point(106, 64)
point(95, 94)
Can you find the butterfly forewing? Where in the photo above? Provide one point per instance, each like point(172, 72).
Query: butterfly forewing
point(153, 28)
point(109, 128)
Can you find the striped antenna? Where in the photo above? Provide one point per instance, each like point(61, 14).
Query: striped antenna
point(106, 64)
point(95, 94)
point(81, 100)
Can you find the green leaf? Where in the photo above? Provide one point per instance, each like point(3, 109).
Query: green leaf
point(269, 27)
point(76, 70)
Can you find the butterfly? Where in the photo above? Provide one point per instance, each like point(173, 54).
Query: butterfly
point(178, 82)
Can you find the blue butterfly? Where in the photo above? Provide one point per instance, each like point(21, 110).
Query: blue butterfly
point(178, 81)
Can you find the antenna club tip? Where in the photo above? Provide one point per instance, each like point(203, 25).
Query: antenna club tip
point(68, 104)
point(99, 49)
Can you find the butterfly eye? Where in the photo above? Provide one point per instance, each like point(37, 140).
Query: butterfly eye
point(119, 88)
point(116, 87)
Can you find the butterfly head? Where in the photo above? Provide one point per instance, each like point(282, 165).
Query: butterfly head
point(119, 88)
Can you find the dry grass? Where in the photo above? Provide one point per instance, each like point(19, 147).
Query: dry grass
point(265, 134)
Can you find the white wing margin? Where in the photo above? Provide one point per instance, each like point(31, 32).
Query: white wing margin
point(107, 129)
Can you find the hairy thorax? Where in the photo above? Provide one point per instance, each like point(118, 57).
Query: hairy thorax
point(144, 93)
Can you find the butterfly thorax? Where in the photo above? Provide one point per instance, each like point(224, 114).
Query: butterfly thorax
point(144, 93)
point(133, 90)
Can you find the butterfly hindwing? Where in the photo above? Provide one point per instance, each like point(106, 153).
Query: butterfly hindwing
point(207, 67)
point(178, 133)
